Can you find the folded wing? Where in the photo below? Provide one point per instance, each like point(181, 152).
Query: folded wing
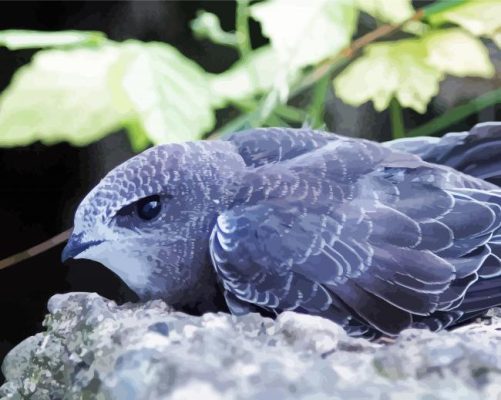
point(374, 239)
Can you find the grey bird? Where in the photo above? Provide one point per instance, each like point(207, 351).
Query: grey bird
point(376, 237)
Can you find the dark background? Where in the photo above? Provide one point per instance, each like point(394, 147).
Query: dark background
point(41, 186)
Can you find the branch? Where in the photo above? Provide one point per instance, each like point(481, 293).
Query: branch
point(35, 250)
point(329, 64)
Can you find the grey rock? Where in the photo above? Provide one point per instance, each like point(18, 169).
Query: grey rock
point(94, 349)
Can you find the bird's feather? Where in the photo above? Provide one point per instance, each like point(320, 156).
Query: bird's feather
point(353, 228)
point(475, 152)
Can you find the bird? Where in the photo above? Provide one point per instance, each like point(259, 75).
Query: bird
point(377, 237)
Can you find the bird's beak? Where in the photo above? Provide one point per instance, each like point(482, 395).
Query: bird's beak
point(76, 246)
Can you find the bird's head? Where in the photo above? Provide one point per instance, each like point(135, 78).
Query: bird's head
point(149, 219)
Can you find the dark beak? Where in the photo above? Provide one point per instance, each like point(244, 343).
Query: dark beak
point(75, 246)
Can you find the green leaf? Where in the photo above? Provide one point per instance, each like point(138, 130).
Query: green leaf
point(166, 92)
point(317, 105)
point(207, 26)
point(61, 95)
point(387, 70)
point(394, 11)
point(306, 32)
point(397, 120)
point(411, 69)
point(251, 75)
point(80, 95)
point(291, 113)
point(456, 52)
point(433, 10)
point(458, 113)
point(24, 39)
point(479, 17)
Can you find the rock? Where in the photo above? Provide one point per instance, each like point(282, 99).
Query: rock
point(94, 349)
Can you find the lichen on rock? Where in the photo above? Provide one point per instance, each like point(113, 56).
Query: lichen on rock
point(94, 349)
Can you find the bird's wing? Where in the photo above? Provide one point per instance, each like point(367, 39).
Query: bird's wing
point(475, 152)
point(356, 230)
point(261, 146)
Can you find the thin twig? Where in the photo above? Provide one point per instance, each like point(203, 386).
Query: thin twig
point(326, 66)
point(380, 32)
point(35, 250)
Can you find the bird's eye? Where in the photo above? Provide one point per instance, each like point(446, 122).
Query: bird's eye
point(149, 207)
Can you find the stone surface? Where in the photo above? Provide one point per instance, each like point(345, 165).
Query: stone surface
point(94, 349)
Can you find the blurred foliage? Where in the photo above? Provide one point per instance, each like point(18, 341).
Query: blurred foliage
point(82, 86)
point(412, 69)
point(22, 39)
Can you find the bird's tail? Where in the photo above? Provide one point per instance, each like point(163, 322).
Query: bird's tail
point(486, 291)
point(476, 153)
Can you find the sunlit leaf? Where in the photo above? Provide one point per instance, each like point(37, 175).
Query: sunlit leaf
point(305, 32)
point(480, 17)
point(24, 39)
point(254, 74)
point(410, 70)
point(167, 93)
point(456, 52)
point(388, 70)
point(393, 11)
point(80, 95)
point(61, 95)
